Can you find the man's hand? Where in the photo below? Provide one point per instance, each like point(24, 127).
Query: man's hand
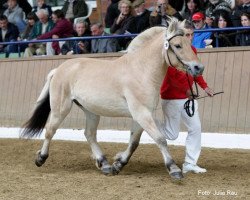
point(209, 91)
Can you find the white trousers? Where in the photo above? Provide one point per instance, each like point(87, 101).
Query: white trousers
point(174, 112)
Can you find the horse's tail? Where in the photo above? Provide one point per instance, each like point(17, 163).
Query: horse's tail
point(34, 126)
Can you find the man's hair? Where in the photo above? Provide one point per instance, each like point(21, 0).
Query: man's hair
point(59, 14)
point(3, 17)
point(98, 24)
point(42, 11)
point(188, 25)
point(82, 21)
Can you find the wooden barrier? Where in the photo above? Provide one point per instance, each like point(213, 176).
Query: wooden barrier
point(227, 69)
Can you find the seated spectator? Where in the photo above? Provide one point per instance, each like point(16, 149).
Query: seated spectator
point(112, 13)
point(209, 19)
point(243, 37)
point(160, 13)
point(223, 38)
point(191, 7)
point(63, 28)
point(102, 45)
point(142, 16)
point(8, 33)
point(78, 47)
point(215, 6)
point(75, 8)
point(42, 5)
point(15, 15)
point(25, 35)
point(45, 24)
point(124, 23)
point(243, 7)
point(199, 39)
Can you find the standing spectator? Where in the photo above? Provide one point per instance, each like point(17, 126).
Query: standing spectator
point(42, 5)
point(15, 15)
point(78, 47)
point(142, 16)
point(160, 13)
point(8, 33)
point(112, 13)
point(124, 23)
point(198, 20)
point(102, 45)
point(226, 38)
point(75, 8)
point(244, 7)
point(45, 24)
point(191, 7)
point(243, 37)
point(63, 28)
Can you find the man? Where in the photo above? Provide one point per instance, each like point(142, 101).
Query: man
point(102, 45)
point(42, 26)
point(142, 16)
point(78, 47)
point(62, 29)
point(175, 92)
point(8, 33)
point(199, 23)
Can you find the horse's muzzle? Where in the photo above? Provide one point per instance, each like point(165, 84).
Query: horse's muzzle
point(196, 69)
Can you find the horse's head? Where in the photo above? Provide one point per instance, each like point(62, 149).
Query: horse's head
point(178, 51)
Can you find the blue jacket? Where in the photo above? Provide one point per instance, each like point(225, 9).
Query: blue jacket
point(198, 40)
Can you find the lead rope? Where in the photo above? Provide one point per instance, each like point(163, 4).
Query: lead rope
point(191, 101)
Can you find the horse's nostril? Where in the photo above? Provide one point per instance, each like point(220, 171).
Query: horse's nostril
point(197, 68)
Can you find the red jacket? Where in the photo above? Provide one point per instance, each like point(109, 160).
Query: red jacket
point(175, 83)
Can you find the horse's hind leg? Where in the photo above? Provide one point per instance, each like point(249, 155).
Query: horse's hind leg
point(122, 158)
point(58, 114)
point(92, 122)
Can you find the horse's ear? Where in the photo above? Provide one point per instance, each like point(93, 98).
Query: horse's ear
point(182, 24)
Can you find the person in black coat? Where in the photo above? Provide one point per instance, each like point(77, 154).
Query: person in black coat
point(243, 36)
point(239, 10)
point(112, 13)
point(8, 33)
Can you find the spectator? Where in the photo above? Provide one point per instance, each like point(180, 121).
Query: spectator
point(243, 37)
point(209, 18)
point(42, 5)
point(160, 13)
point(191, 7)
point(223, 39)
point(75, 8)
point(78, 47)
point(15, 15)
point(45, 24)
point(142, 16)
point(112, 13)
point(32, 19)
point(244, 7)
point(124, 23)
point(63, 28)
point(102, 45)
point(215, 6)
point(198, 20)
point(8, 33)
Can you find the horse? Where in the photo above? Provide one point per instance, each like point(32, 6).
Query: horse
point(125, 87)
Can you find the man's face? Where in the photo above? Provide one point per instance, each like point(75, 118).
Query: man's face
point(139, 9)
point(96, 31)
point(12, 3)
point(189, 33)
point(3, 24)
point(54, 18)
point(40, 3)
point(198, 24)
point(43, 18)
point(80, 29)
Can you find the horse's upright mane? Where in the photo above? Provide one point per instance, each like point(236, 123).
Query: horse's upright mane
point(175, 27)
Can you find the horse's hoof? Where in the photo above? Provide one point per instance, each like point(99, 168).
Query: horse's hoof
point(107, 170)
point(117, 167)
point(176, 176)
point(40, 160)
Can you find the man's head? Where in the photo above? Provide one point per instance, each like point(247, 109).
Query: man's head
point(12, 3)
point(198, 20)
point(97, 29)
point(3, 22)
point(40, 3)
point(81, 27)
point(139, 6)
point(43, 16)
point(57, 15)
point(189, 30)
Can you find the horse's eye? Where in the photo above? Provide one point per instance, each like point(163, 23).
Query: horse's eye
point(178, 46)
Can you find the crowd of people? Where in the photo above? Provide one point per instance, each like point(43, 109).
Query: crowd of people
point(20, 21)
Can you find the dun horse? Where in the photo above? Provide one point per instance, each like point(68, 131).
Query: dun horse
point(126, 87)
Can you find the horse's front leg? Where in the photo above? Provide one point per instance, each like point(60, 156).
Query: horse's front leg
point(145, 118)
point(92, 122)
point(122, 158)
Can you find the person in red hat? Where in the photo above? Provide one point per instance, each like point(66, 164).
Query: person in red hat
point(199, 40)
